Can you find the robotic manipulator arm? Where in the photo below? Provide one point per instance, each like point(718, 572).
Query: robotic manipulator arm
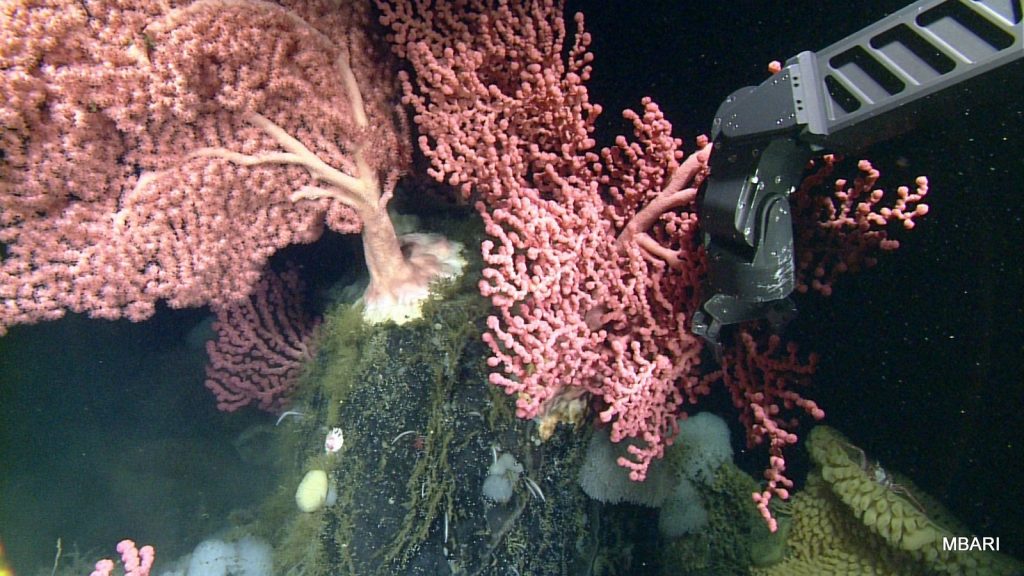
point(868, 87)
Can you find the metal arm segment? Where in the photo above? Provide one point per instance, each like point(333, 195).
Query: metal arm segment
point(868, 87)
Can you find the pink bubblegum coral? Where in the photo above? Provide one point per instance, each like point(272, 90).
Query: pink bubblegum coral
point(164, 154)
point(262, 343)
point(762, 376)
point(841, 230)
point(594, 262)
point(136, 561)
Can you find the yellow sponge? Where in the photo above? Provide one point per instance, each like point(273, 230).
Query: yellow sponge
point(855, 518)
